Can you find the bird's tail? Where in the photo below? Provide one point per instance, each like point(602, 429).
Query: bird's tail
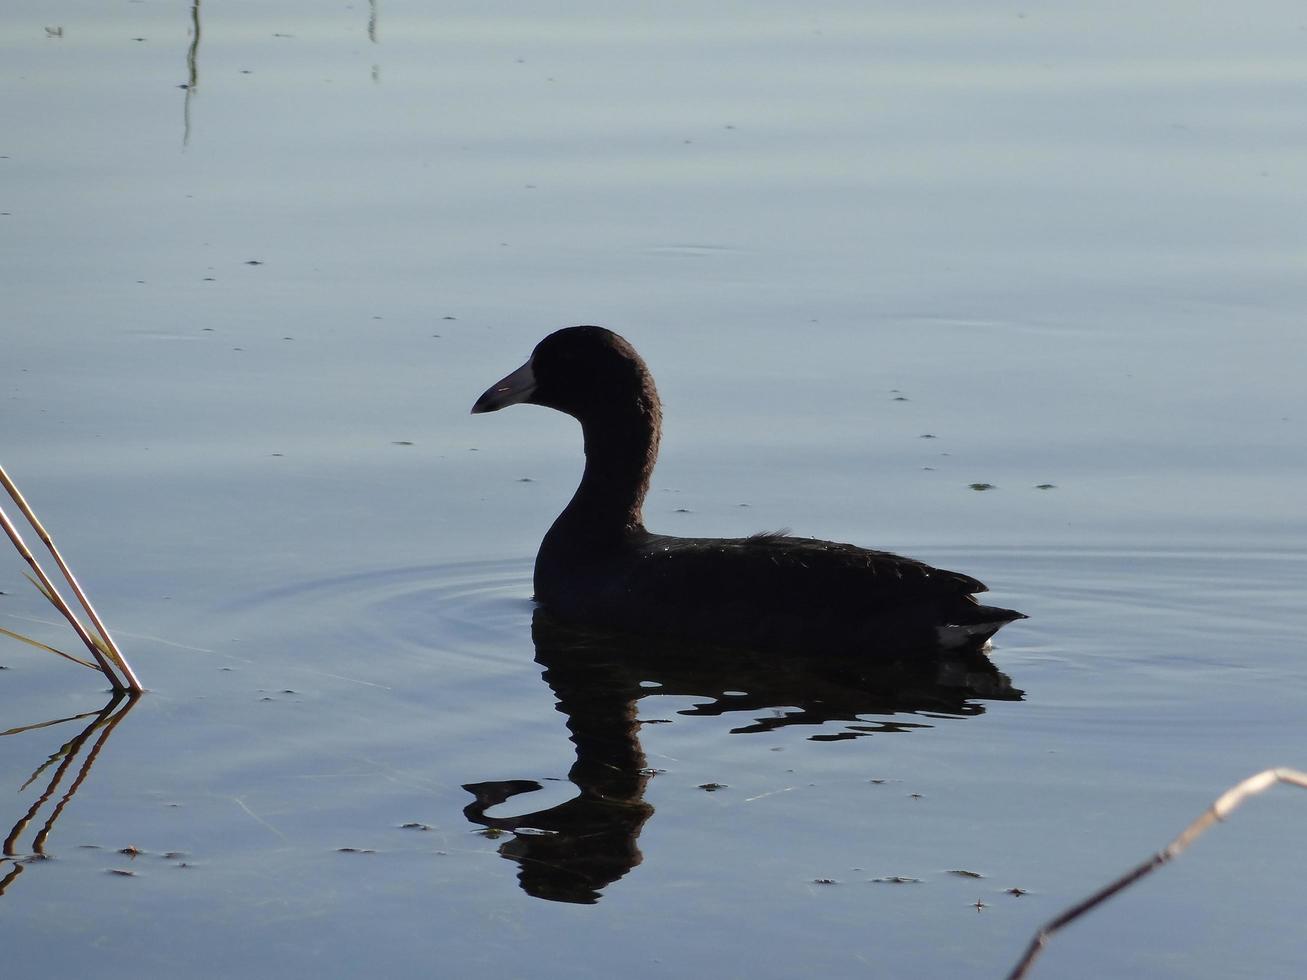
point(974, 625)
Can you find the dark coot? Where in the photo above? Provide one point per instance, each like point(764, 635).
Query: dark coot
point(598, 565)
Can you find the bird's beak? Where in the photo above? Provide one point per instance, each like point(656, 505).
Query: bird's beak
point(517, 387)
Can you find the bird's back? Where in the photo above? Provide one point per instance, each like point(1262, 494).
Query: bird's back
point(770, 591)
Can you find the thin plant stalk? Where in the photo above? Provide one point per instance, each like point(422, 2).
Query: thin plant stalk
point(1225, 804)
point(98, 650)
point(114, 652)
point(51, 593)
point(44, 646)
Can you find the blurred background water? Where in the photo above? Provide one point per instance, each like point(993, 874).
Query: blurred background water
point(258, 259)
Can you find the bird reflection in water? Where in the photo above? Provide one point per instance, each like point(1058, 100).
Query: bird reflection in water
point(571, 852)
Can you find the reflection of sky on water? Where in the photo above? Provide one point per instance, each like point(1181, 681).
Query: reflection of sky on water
point(1071, 239)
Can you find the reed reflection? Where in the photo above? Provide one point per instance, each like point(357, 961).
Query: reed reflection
point(86, 746)
point(571, 852)
point(192, 72)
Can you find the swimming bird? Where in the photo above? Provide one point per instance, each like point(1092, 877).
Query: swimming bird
point(598, 565)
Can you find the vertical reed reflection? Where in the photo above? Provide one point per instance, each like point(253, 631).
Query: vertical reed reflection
point(374, 13)
point(104, 722)
point(192, 72)
point(10, 876)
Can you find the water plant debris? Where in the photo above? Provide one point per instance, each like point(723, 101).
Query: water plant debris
point(100, 643)
point(1224, 805)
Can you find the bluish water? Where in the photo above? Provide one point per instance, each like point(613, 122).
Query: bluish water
point(1071, 241)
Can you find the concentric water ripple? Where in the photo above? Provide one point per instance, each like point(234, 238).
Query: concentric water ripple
point(457, 610)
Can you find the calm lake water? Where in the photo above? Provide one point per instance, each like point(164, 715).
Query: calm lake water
point(257, 261)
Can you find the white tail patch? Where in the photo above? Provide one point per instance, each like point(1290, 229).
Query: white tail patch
point(952, 637)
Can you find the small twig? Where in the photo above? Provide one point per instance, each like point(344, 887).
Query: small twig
point(43, 646)
point(98, 650)
point(1225, 804)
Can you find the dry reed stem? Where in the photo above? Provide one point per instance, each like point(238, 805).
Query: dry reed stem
point(1225, 804)
point(113, 651)
point(51, 593)
point(45, 646)
point(109, 647)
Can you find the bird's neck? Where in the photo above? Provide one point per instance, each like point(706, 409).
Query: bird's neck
point(620, 451)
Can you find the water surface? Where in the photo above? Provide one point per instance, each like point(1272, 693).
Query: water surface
point(874, 255)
